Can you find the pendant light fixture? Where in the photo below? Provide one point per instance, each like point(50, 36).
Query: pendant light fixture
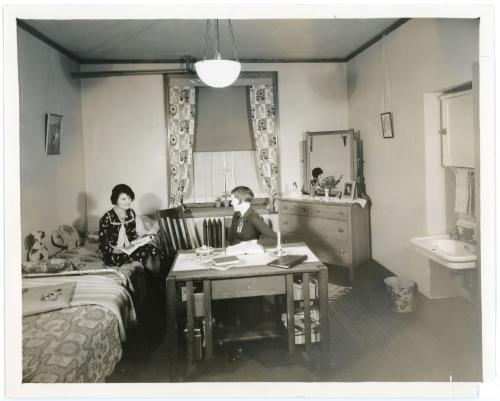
point(218, 72)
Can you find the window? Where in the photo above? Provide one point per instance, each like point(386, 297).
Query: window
point(216, 172)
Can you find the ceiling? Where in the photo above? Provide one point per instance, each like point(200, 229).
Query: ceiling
point(89, 41)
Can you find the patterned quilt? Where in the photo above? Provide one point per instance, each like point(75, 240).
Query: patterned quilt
point(81, 343)
point(74, 345)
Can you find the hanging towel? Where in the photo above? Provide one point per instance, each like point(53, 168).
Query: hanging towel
point(470, 204)
point(462, 194)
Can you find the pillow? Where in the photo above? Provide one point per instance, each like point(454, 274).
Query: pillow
point(47, 298)
point(66, 237)
point(146, 225)
point(54, 265)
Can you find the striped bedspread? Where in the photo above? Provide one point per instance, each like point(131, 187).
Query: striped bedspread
point(96, 290)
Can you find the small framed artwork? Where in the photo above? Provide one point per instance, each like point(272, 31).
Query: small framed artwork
point(349, 188)
point(386, 119)
point(53, 133)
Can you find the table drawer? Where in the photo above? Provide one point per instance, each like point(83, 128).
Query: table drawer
point(313, 209)
point(248, 287)
point(314, 226)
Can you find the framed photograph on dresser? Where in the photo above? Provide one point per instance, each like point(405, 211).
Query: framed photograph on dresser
point(349, 189)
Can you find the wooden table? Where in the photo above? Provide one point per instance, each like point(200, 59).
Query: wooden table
point(245, 281)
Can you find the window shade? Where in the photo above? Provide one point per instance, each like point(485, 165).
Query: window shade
point(223, 123)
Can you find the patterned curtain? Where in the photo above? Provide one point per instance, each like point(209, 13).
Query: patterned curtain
point(263, 116)
point(181, 134)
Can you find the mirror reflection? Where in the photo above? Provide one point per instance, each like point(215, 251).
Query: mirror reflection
point(327, 154)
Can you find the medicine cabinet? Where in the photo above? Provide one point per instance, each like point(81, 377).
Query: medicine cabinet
point(457, 129)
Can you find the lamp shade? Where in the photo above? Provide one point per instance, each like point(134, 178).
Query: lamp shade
point(218, 73)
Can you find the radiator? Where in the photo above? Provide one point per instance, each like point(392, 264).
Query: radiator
point(214, 232)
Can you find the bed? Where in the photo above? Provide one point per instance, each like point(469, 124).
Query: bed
point(74, 332)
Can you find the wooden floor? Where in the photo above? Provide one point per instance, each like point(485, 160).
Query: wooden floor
point(438, 342)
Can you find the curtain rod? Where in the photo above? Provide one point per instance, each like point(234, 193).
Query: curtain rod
point(97, 74)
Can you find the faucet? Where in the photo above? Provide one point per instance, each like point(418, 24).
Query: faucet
point(472, 240)
point(461, 234)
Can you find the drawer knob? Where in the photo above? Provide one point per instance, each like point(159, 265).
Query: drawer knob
point(285, 223)
point(341, 230)
point(248, 287)
point(341, 212)
point(304, 209)
point(342, 251)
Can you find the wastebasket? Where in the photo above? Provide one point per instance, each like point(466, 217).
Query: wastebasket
point(402, 294)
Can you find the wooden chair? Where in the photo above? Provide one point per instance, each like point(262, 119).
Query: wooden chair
point(173, 230)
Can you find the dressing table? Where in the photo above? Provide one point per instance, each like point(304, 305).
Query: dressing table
point(336, 230)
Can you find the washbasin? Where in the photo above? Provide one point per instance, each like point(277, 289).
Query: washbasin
point(448, 252)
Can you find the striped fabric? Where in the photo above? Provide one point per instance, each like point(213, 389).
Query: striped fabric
point(96, 290)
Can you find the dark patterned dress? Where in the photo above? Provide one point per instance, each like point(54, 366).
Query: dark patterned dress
point(109, 228)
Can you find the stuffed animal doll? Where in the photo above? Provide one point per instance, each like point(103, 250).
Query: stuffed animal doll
point(66, 237)
point(34, 243)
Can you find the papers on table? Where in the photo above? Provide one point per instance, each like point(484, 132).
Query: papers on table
point(189, 261)
point(245, 248)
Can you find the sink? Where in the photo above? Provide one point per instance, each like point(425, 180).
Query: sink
point(448, 252)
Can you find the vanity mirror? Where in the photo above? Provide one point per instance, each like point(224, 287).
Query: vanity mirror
point(332, 151)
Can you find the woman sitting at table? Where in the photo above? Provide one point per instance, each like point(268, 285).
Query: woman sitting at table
point(117, 229)
point(247, 223)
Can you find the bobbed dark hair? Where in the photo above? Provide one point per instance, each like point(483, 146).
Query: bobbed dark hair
point(317, 172)
point(121, 189)
point(242, 193)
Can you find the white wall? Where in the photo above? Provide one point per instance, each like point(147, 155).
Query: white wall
point(424, 56)
point(124, 131)
point(312, 97)
point(52, 187)
point(124, 127)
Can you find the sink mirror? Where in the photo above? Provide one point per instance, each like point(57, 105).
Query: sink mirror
point(333, 152)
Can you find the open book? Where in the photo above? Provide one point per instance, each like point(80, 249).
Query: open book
point(135, 244)
point(245, 248)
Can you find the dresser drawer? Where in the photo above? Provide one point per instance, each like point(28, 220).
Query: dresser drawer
point(330, 211)
point(248, 287)
point(314, 209)
point(333, 252)
point(314, 226)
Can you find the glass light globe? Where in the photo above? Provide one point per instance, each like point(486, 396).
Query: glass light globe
point(218, 73)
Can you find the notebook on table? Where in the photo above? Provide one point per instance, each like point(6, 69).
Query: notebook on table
point(288, 261)
point(224, 262)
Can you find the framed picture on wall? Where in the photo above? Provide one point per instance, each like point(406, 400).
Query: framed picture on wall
point(53, 133)
point(349, 189)
point(386, 119)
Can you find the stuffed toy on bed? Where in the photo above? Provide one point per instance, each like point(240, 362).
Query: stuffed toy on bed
point(66, 237)
point(35, 245)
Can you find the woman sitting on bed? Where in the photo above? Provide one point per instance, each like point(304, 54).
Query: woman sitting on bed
point(117, 230)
